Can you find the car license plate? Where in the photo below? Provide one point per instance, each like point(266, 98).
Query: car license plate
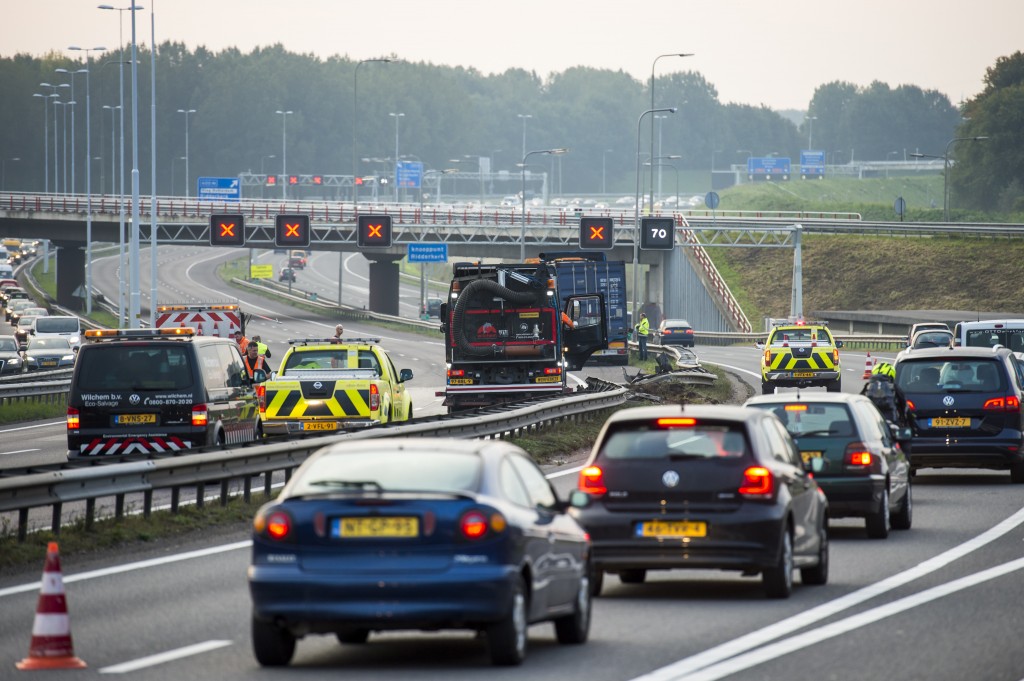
point(807, 456)
point(134, 419)
point(548, 379)
point(320, 425)
point(672, 528)
point(803, 374)
point(460, 381)
point(49, 362)
point(355, 528)
point(941, 422)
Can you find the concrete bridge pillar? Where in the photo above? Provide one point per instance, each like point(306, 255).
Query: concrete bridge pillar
point(384, 282)
point(70, 275)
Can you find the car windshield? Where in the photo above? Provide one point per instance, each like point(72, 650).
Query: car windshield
point(798, 335)
point(57, 325)
point(933, 339)
point(943, 375)
point(1012, 338)
point(48, 344)
point(8, 345)
point(385, 470)
point(698, 441)
point(810, 419)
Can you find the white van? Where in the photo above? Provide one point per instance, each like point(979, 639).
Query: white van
point(990, 332)
point(57, 325)
point(6, 270)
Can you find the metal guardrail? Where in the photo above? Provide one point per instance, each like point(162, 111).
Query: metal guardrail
point(221, 467)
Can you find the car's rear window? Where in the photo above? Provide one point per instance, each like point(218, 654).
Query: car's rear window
point(8, 345)
point(818, 420)
point(56, 325)
point(943, 375)
point(653, 442)
point(164, 366)
point(381, 469)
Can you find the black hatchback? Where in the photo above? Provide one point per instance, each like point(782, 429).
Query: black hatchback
point(719, 487)
point(965, 408)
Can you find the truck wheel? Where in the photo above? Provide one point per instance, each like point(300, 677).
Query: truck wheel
point(767, 388)
point(835, 386)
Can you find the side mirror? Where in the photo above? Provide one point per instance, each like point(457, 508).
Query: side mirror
point(839, 343)
point(259, 376)
point(404, 375)
point(759, 344)
point(579, 499)
point(814, 465)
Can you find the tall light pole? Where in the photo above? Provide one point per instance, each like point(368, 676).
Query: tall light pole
point(88, 174)
point(522, 230)
point(669, 165)
point(636, 207)
point(152, 159)
point(54, 96)
point(810, 131)
point(653, 64)
point(946, 168)
point(3, 172)
point(659, 120)
point(113, 153)
point(121, 307)
point(187, 176)
point(63, 146)
point(71, 78)
point(355, 119)
point(396, 116)
point(284, 151)
point(46, 139)
point(523, 118)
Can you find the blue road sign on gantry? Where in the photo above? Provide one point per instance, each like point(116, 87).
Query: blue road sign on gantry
point(218, 189)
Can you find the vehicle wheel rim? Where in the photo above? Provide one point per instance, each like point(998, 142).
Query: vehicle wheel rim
point(519, 622)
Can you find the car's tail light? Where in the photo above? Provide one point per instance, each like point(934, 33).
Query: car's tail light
point(910, 406)
point(456, 373)
point(592, 480)
point(476, 524)
point(768, 357)
point(261, 393)
point(553, 371)
point(835, 356)
point(374, 397)
point(1008, 403)
point(758, 483)
point(276, 524)
point(857, 455)
point(74, 422)
point(796, 407)
point(200, 415)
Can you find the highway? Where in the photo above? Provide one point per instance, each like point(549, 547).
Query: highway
point(939, 602)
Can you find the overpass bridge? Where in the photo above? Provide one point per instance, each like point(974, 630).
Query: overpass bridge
point(682, 282)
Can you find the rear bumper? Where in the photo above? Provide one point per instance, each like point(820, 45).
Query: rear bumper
point(991, 453)
point(853, 497)
point(297, 427)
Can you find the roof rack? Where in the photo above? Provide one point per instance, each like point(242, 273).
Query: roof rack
point(333, 341)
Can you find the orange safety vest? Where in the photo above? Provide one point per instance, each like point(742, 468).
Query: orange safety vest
point(259, 364)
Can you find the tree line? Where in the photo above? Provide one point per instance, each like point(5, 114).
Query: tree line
point(453, 116)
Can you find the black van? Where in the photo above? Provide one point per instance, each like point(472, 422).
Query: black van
point(147, 391)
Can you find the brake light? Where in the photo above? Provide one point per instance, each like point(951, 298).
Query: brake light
point(857, 455)
point(473, 525)
point(374, 397)
point(768, 357)
point(835, 356)
point(74, 422)
point(910, 406)
point(275, 525)
point(456, 372)
point(675, 422)
point(200, 415)
point(592, 480)
point(1008, 403)
point(261, 393)
point(758, 482)
point(553, 371)
point(796, 407)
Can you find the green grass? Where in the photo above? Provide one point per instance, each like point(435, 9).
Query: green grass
point(14, 412)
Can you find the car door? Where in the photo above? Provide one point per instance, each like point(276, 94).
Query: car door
point(806, 506)
point(589, 333)
point(876, 428)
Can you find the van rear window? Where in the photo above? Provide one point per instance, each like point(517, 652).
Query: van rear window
point(134, 367)
point(57, 325)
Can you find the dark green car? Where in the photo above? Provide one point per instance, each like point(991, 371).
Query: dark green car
point(865, 472)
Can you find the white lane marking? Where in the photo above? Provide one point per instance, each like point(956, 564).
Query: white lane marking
point(825, 610)
point(734, 368)
point(791, 645)
point(19, 451)
point(35, 425)
point(128, 567)
point(567, 471)
point(160, 658)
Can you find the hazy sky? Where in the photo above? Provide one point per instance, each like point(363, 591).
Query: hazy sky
point(773, 52)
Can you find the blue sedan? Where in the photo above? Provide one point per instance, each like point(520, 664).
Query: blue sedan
point(417, 533)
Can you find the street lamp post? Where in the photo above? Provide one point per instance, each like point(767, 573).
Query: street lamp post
point(71, 77)
point(636, 207)
point(54, 96)
point(523, 118)
point(653, 64)
point(186, 112)
point(810, 131)
point(64, 146)
point(396, 116)
point(522, 229)
point(88, 173)
point(3, 172)
point(46, 139)
point(113, 153)
point(946, 168)
point(355, 119)
point(284, 151)
point(654, 195)
point(670, 157)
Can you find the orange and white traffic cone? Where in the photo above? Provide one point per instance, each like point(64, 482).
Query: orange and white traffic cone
point(51, 631)
point(868, 365)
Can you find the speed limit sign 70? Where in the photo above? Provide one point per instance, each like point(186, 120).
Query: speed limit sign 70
point(657, 234)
